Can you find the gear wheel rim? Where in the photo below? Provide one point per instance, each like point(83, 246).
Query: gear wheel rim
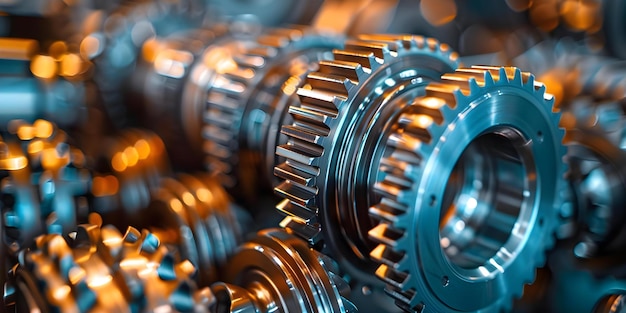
point(235, 92)
point(429, 290)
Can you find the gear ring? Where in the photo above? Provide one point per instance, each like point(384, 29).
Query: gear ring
point(342, 109)
point(240, 104)
point(450, 148)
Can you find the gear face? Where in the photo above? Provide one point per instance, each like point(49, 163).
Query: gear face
point(243, 102)
point(278, 272)
point(335, 140)
point(98, 269)
point(470, 183)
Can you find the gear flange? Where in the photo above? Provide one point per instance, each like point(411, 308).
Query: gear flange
point(470, 183)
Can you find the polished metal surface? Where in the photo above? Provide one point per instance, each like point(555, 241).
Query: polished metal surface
point(401, 181)
point(334, 142)
point(246, 100)
point(99, 269)
point(469, 184)
point(44, 184)
point(278, 272)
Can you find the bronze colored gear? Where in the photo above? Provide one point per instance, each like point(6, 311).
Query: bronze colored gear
point(240, 102)
point(276, 271)
point(195, 215)
point(45, 187)
point(470, 185)
point(101, 270)
point(334, 140)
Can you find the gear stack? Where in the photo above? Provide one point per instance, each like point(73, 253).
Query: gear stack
point(44, 186)
point(333, 142)
point(313, 156)
point(97, 269)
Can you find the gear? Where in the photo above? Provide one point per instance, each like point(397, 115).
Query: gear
point(335, 139)
point(194, 214)
point(137, 161)
point(244, 101)
point(101, 270)
point(597, 171)
point(470, 183)
point(115, 49)
point(576, 286)
point(278, 271)
point(46, 185)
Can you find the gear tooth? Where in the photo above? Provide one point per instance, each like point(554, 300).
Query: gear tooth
point(530, 82)
point(489, 82)
point(517, 77)
point(385, 234)
point(315, 120)
point(320, 101)
point(310, 134)
point(298, 194)
point(351, 70)
point(397, 279)
point(386, 255)
point(448, 113)
point(442, 91)
point(473, 86)
point(378, 49)
point(329, 82)
point(366, 59)
point(300, 151)
point(290, 173)
point(132, 235)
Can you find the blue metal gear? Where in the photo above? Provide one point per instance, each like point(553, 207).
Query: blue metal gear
point(469, 185)
point(335, 139)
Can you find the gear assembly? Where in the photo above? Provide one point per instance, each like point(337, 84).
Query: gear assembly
point(313, 156)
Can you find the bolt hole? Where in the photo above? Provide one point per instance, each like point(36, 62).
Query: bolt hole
point(433, 200)
point(540, 136)
point(541, 222)
point(445, 281)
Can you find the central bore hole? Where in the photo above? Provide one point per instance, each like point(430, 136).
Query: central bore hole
point(484, 197)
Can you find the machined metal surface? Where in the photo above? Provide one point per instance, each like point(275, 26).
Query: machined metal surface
point(248, 99)
point(400, 181)
point(99, 269)
point(469, 192)
point(334, 139)
point(279, 272)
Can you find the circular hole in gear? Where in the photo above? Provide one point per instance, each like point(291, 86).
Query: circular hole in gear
point(484, 197)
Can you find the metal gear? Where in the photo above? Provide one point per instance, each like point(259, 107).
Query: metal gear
point(335, 140)
point(597, 170)
point(470, 183)
point(45, 188)
point(278, 272)
point(249, 96)
point(576, 285)
point(159, 91)
point(194, 214)
point(115, 48)
point(98, 269)
point(135, 160)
